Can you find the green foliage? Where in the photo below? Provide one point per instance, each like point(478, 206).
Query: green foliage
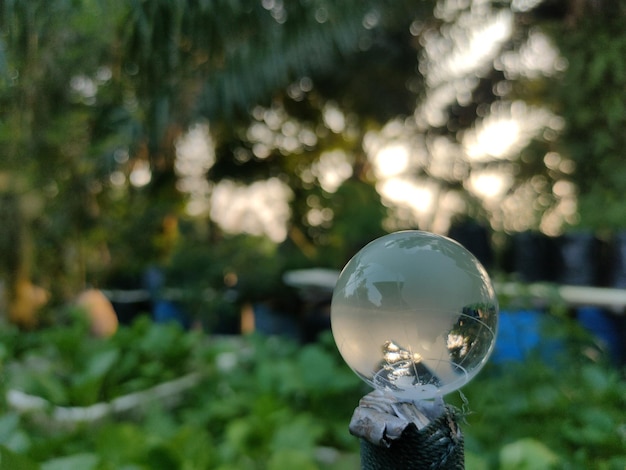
point(68, 367)
point(13, 460)
point(561, 411)
point(264, 402)
point(211, 280)
point(528, 454)
point(91, 89)
point(73, 462)
point(268, 403)
point(591, 96)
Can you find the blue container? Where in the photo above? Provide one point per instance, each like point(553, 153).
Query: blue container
point(167, 311)
point(270, 322)
point(520, 336)
point(604, 327)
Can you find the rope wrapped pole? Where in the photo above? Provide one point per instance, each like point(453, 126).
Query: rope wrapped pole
point(406, 435)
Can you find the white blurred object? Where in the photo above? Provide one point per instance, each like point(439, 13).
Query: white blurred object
point(314, 284)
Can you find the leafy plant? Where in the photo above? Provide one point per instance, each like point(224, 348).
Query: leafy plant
point(267, 403)
point(562, 410)
point(68, 367)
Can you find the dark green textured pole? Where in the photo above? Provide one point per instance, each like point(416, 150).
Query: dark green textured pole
point(405, 436)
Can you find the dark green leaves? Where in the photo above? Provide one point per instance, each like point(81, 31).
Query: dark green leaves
point(591, 96)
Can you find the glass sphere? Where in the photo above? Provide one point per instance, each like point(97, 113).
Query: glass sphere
point(414, 314)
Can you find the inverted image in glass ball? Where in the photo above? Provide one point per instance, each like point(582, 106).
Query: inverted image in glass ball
point(414, 314)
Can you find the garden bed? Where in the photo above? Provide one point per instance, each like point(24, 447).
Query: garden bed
point(53, 417)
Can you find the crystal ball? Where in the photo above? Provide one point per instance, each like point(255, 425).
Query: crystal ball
point(414, 314)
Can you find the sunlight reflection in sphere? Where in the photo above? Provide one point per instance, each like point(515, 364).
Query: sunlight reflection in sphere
point(414, 314)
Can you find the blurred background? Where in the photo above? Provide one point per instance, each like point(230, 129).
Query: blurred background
point(213, 164)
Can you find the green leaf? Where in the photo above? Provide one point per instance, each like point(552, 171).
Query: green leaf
point(122, 443)
point(292, 459)
point(9, 422)
point(239, 436)
point(161, 458)
point(193, 448)
point(475, 462)
point(73, 462)
point(597, 379)
point(100, 364)
point(87, 386)
point(51, 388)
point(301, 432)
point(527, 454)
point(11, 435)
point(316, 367)
point(12, 461)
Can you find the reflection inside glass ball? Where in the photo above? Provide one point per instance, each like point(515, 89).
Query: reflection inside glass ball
point(414, 314)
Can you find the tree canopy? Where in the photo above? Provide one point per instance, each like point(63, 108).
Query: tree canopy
point(320, 124)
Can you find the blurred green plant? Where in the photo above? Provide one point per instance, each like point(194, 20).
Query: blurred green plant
point(212, 279)
point(590, 96)
point(95, 93)
point(263, 403)
point(564, 407)
point(269, 403)
point(68, 367)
